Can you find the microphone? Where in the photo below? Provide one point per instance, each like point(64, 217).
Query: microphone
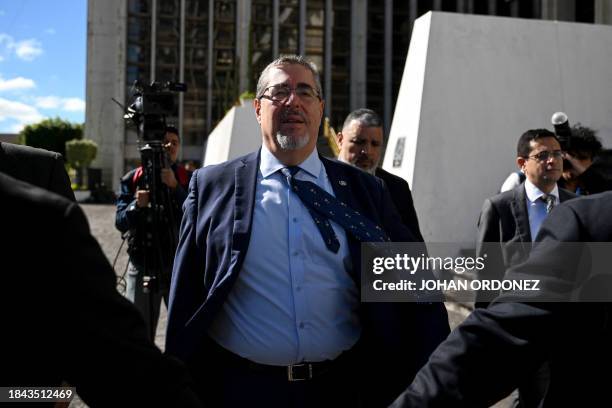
point(562, 129)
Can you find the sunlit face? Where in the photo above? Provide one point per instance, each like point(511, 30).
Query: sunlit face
point(172, 144)
point(361, 145)
point(542, 172)
point(292, 124)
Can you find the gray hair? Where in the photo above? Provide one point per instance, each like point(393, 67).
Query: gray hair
point(290, 59)
point(367, 117)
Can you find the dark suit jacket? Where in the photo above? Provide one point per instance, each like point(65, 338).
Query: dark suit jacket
point(40, 167)
point(63, 319)
point(402, 198)
point(215, 232)
point(487, 355)
point(504, 234)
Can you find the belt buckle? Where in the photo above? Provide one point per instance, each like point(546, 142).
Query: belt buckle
point(295, 376)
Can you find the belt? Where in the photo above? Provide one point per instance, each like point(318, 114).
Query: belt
point(304, 371)
point(295, 372)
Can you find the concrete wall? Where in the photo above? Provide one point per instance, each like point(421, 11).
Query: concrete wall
point(471, 86)
point(237, 134)
point(106, 25)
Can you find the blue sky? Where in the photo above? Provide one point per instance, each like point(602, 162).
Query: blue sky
point(42, 61)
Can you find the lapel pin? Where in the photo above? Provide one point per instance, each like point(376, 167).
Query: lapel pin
point(342, 183)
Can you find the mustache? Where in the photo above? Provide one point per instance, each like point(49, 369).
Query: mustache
point(287, 112)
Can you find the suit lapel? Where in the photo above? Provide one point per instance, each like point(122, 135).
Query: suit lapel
point(519, 210)
point(338, 180)
point(245, 182)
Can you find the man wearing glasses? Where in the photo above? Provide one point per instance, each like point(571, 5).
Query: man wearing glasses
point(265, 297)
point(510, 221)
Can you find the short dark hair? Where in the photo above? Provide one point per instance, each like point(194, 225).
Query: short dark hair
point(367, 117)
point(173, 129)
point(290, 59)
point(584, 140)
point(523, 147)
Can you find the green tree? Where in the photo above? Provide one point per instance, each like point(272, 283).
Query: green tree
point(79, 155)
point(51, 134)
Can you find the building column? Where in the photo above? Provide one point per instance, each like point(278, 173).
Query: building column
point(153, 39)
point(603, 12)
point(209, 82)
point(359, 43)
point(327, 66)
point(388, 72)
point(413, 9)
point(275, 28)
point(561, 10)
point(243, 24)
point(105, 79)
point(302, 28)
point(492, 7)
point(181, 95)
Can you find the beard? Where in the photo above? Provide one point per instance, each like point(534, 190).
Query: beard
point(293, 142)
point(369, 167)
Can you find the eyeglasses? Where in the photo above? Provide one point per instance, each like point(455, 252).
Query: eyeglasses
point(281, 93)
point(546, 155)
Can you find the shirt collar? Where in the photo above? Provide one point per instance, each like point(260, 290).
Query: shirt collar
point(533, 193)
point(270, 164)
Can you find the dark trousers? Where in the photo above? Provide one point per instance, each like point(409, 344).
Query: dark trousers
point(226, 380)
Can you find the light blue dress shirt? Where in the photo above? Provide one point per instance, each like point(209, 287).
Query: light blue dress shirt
point(536, 207)
point(293, 300)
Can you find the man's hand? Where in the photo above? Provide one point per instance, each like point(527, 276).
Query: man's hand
point(579, 165)
point(142, 198)
point(167, 177)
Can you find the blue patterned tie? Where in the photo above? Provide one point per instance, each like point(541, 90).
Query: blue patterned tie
point(323, 205)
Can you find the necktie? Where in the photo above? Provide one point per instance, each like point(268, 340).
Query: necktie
point(323, 206)
point(549, 199)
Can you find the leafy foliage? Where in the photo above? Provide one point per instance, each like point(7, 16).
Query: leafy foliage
point(51, 134)
point(80, 153)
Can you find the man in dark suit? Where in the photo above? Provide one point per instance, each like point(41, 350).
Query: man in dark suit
point(494, 348)
point(36, 166)
point(361, 144)
point(509, 220)
point(264, 301)
point(73, 326)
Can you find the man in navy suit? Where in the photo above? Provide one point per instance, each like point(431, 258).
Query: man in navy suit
point(265, 296)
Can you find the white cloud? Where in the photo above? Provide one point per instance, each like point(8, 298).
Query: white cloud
point(74, 105)
point(28, 50)
point(48, 102)
point(50, 31)
point(20, 112)
point(55, 102)
point(16, 83)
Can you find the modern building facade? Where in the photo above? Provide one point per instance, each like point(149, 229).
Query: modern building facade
point(219, 47)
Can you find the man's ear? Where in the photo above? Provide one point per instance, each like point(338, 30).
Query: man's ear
point(339, 138)
point(257, 106)
point(520, 162)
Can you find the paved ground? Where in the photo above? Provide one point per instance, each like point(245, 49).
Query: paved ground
point(102, 223)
